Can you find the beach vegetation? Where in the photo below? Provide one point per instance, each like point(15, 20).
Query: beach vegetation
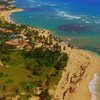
point(30, 60)
point(45, 95)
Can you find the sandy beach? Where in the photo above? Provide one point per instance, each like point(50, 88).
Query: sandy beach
point(78, 73)
point(6, 14)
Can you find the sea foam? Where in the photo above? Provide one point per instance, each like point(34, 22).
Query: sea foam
point(66, 15)
point(94, 87)
point(35, 3)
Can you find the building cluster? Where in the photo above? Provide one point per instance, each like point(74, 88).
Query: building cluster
point(5, 30)
point(20, 42)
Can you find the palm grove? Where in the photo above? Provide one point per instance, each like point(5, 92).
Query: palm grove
point(42, 64)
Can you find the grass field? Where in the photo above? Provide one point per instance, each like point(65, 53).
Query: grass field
point(15, 77)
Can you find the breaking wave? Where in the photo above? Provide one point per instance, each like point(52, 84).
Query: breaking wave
point(94, 87)
point(66, 15)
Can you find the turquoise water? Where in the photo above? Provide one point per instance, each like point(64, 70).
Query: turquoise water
point(75, 19)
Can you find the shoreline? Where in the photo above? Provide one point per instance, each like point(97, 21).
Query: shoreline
point(6, 14)
point(7, 17)
point(82, 92)
point(75, 53)
point(93, 85)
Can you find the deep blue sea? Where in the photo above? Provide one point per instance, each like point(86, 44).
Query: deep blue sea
point(75, 21)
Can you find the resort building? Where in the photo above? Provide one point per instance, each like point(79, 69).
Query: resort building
point(5, 30)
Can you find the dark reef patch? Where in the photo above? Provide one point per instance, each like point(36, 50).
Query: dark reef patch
point(73, 28)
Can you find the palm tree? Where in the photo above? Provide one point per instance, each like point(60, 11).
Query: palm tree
point(45, 95)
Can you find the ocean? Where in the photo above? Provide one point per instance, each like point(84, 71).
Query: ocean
point(75, 21)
